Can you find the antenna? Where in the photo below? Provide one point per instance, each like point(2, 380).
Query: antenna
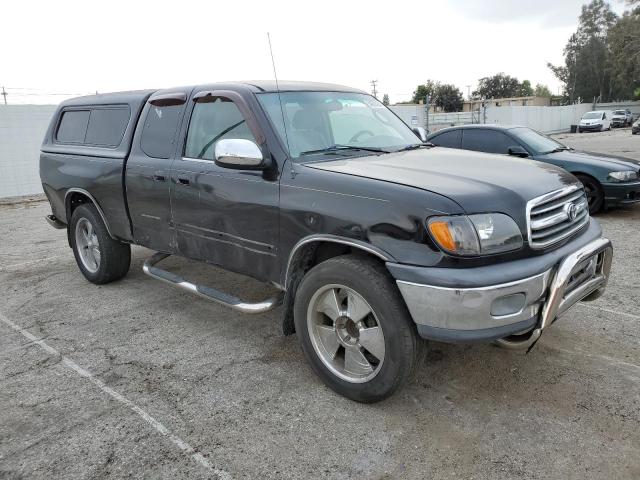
point(284, 123)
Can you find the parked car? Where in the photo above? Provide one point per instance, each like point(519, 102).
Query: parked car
point(374, 239)
point(629, 116)
point(608, 180)
point(635, 129)
point(620, 118)
point(595, 121)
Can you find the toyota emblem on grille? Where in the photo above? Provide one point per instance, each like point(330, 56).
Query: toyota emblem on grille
point(571, 209)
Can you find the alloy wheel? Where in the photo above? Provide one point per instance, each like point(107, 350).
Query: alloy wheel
point(345, 333)
point(87, 245)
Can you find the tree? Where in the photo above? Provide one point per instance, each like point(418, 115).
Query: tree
point(587, 69)
point(385, 99)
point(498, 86)
point(624, 48)
point(449, 98)
point(525, 89)
point(428, 88)
point(542, 91)
point(446, 96)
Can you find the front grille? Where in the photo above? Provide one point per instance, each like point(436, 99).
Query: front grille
point(557, 215)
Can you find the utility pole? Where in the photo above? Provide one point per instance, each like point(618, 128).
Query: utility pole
point(4, 94)
point(373, 85)
point(468, 92)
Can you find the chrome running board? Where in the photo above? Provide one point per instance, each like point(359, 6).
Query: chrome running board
point(207, 292)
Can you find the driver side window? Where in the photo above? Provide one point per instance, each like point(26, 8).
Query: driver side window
point(213, 121)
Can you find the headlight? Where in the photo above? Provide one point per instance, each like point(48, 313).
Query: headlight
point(624, 176)
point(480, 234)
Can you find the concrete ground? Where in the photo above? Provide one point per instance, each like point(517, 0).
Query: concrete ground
point(137, 380)
point(618, 141)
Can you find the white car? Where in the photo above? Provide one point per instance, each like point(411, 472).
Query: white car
point(620, 118)
point(595, 121)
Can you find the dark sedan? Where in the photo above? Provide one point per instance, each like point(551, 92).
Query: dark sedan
point(608, 180)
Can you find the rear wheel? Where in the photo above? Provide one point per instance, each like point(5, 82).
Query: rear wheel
point(354, 328)
point(595, 194)
point(101, 259)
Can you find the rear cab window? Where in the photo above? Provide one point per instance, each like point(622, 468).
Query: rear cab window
point(99, 126)
point(73, 126)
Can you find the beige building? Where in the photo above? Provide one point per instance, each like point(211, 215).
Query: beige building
point(474, 105)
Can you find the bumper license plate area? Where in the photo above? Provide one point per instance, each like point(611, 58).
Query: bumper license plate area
point(585, 271)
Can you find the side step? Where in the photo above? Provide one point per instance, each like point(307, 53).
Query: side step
point(207, 292)
point(54, 222)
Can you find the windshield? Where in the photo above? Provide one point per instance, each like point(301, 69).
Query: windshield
point(537, 142)
point(591, 115)
point(619, 112)
point(317, 121)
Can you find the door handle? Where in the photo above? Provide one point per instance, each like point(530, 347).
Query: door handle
point(184, 180)
point(159, 177)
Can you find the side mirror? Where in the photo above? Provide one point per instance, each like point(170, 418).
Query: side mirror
point(518, 151)
point(421, 133)
point(238, 153)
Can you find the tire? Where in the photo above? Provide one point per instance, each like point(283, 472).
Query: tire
point(579, 130)
point(390, 367)
point(595, 194)
point(90, 240)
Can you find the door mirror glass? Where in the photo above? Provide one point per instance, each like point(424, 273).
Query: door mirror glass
point(238, 153)
point(518, 151)
point(421, 133)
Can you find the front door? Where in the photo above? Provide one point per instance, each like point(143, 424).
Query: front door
point(224, 216)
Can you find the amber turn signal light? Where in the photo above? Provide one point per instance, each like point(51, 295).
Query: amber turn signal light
point(442, 234)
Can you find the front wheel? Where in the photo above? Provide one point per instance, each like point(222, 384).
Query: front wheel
point(101, 259)
point(595, 194)
point(354, 328)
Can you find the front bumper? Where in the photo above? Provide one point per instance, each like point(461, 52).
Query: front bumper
point(524, 306)
point(596, 127)
point(621, 193)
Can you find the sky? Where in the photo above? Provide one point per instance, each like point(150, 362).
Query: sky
point(69, 47)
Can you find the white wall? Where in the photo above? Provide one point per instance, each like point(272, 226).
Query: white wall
point(22, 128)
point(413, 115)
point(543, 119)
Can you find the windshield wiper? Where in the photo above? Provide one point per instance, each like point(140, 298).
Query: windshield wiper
point(559, 149)
point(338, 147)
point(415, 146)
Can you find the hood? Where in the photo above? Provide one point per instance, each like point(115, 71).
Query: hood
point(611, 162)
point(478, 182)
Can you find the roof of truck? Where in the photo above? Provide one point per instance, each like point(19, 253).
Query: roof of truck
point(133, 96)
point(291, 85)
point(254, 85)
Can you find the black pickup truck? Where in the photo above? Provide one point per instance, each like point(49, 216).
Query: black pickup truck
point(375, 239)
